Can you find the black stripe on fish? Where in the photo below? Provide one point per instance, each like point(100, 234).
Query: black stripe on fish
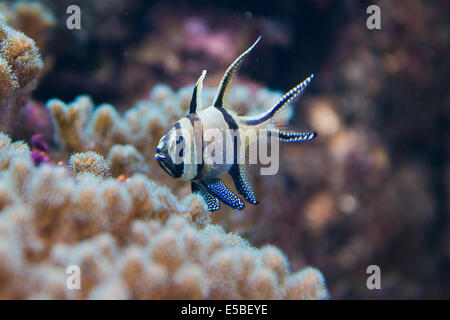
point(193, 105)
point(233, 126)
point(178, 168)
point(228, 118)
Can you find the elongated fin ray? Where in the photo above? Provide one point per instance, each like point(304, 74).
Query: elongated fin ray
point(219, 190)
point(242, 183)
point(292, 136)
point(285, 100)
point(228, 77)
point(196, 100)
point(211, 201)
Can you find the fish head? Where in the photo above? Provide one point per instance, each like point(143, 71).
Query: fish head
point(169, 152)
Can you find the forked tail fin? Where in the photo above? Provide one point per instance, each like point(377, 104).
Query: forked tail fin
point(285, 100)
point(292, 136)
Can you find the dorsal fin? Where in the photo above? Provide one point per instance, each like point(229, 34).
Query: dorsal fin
point(228, 77)
point(196, 100)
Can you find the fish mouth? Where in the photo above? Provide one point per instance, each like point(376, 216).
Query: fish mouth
point(164, 162)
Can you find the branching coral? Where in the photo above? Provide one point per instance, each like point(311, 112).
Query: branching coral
point(126, 160)
point(131, 239)
point(10, 150)
point(20, 64)
point(30, 17)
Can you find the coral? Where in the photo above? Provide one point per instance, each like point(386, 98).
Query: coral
point(306, 284)
point(126, 160)
point(20, 64)
point(130, 239)
point(88, 162)
point(32, 18)
point(331, 171)
point(9, 151)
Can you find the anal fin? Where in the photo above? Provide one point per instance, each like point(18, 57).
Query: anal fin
point(242, 183)
point(217, 188)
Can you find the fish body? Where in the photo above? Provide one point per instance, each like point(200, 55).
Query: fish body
point(181, 152)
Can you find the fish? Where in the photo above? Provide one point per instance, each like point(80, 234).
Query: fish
point(181, 152)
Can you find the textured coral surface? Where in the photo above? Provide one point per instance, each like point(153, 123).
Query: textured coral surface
point(20, 64)
point(130, 238)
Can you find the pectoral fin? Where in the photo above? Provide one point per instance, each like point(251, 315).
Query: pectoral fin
point(211, 201)
point(242, 183)
point(196, 100)
point(219, 190)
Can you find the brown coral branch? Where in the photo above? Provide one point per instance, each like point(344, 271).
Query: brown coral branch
point(20, 64)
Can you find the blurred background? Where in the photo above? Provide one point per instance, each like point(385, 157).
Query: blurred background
point(373, 188)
